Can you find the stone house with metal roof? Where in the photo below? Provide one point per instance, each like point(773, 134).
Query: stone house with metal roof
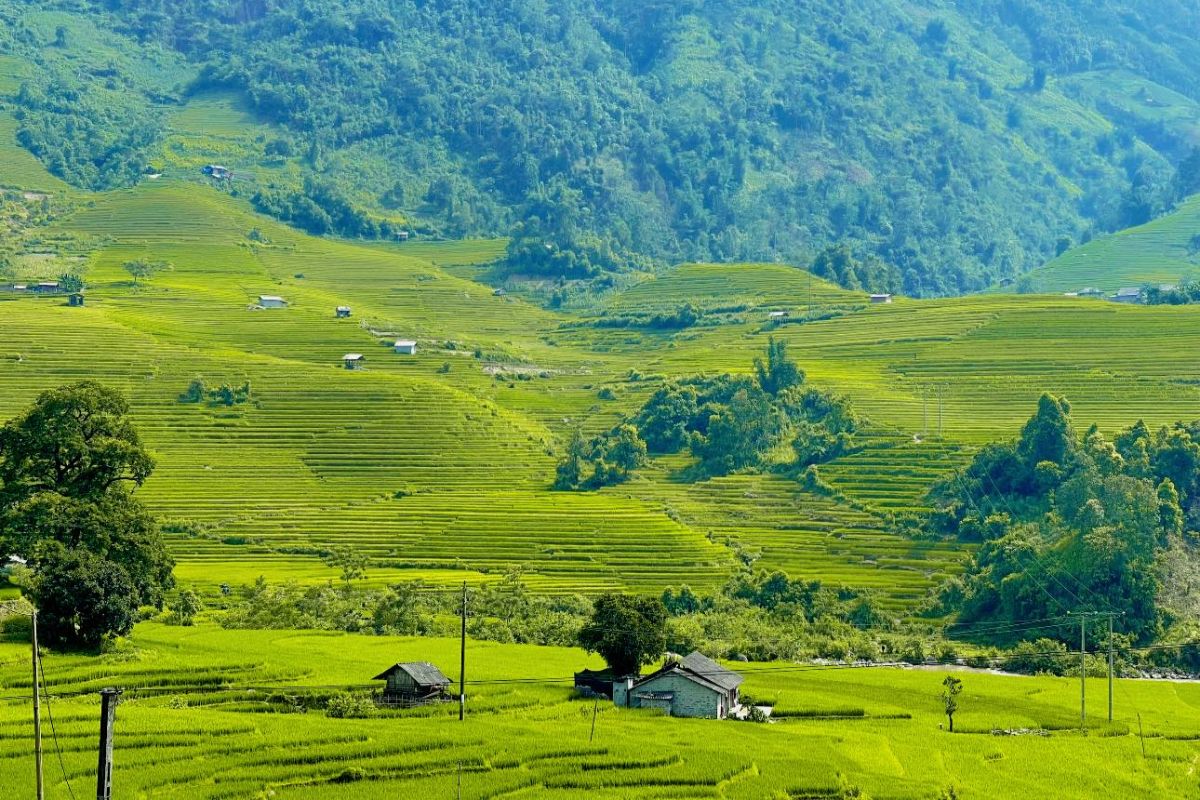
point(696, 686)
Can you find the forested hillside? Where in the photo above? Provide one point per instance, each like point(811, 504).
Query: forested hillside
point(948, 147)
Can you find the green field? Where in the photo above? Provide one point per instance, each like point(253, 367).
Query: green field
point(438, 466)
point(1160, 252)
point(196, 723)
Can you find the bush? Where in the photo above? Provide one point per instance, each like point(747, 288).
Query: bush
point(1043, 656)
point(345, 705)
point(912, 652)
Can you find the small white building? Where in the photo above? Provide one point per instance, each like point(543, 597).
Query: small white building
point(342, 312)
point(777, 315)
point(881, 298)
point(406, 347)
point(271, 301)
point(353, 360)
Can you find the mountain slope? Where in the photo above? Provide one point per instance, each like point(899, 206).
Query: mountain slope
point(959, 145)
point(1165, 251)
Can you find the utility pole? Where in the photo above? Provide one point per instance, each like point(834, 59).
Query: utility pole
point(939, 390)
point(1110, 666)
point(108, 716)
point(925, 411)
point(1083, 617)
point(37, 713)
point(462, 659)
point(1082, 672)
point(595, 710)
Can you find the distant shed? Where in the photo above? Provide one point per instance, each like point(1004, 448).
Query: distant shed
point(881, 298)
point(777, 315)
point(1128, 294)
point(405, 347)
point(75, 299)
point(47, 287)
point(271, 301)
point(353, 360)
point(341, 312)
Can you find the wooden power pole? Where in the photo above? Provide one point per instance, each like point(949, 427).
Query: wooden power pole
point(462, 659)
point(37, 713)
point(108, 715)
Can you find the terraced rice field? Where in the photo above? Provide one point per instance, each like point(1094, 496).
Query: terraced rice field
point(202, 719)
point(438, 465)
point(1158, 252)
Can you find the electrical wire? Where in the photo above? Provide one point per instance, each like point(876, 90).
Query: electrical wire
point(54, 732)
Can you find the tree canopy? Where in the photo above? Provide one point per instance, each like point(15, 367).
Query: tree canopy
point(68, 467)
point(626, 631)
point(608, 135)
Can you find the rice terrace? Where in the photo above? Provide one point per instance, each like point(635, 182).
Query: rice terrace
point(599, 400)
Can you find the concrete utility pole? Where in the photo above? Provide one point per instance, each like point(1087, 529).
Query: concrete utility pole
point(1083, 617)
point(925, 411)
point(37, 713)
point(1082, 672)
point(1110, 666)
point(939, 412)
point(462, 659)
point(108, 715)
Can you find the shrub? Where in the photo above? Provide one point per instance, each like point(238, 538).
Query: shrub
point(345, 705)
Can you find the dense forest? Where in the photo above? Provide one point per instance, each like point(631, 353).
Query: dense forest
point(1068, 523)
point(956, 145)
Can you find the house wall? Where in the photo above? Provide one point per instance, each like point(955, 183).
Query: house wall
point(401, 681)
point(691, 699)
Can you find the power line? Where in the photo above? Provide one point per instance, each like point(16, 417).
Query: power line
point(54, 735)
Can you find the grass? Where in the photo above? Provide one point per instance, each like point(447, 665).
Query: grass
point(205, 716)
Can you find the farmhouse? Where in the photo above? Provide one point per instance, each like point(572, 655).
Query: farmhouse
point(697, 686)
point(353, 360)
point(413, 682)
point(1090, 291)
point(341, 312)
point(406, 347)
point(1129, 294)
point(881, 298)
point(46, 287)
point(271, 301)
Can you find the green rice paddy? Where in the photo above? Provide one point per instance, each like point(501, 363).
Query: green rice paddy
point(211, 714)
point(438, 465)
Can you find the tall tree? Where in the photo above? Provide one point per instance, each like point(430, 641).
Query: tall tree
point(779, 372)
point(68, 467)
point(626, 631)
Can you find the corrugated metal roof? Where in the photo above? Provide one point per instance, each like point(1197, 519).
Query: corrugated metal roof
point(711, 671)
point(422, 672)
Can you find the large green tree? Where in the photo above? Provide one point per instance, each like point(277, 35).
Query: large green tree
point(626, 631)
point(68, 469)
